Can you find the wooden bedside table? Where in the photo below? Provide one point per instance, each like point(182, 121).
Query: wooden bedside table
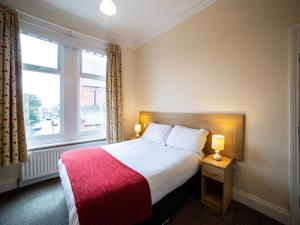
point(216, 179)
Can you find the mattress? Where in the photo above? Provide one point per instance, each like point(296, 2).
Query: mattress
point(165, 168)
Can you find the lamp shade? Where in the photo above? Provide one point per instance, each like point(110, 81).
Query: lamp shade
point(137, 128)
point(218, 142)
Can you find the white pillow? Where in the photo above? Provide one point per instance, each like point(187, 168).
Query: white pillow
point(187, 138)
point(157, 132)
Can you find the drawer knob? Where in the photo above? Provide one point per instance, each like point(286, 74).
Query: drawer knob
point(212, 172)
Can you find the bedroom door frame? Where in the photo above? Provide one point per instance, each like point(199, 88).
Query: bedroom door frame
point(294, 128)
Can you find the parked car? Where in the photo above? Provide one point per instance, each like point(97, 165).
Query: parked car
point(36, 127)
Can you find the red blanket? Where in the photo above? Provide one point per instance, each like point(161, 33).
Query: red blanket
point(106, 191)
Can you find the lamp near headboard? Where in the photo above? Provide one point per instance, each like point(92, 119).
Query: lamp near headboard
point(231, 126)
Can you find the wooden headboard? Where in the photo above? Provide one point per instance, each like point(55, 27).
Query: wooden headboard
point(229, 125)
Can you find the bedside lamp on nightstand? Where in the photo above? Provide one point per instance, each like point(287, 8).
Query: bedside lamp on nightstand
point(137, 129)
point(217, 145)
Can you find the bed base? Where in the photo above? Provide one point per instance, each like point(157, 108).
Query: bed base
point(164, 209)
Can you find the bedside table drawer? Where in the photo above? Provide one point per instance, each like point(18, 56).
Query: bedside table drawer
point(213, 172)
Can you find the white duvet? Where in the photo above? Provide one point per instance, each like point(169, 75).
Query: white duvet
point(165, 168)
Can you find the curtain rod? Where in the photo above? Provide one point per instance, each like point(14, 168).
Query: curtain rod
point(68, 30)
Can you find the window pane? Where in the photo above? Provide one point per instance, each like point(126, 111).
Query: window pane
point(93, 64)
point(39, 52)
point(41, 93)
point(92, 105)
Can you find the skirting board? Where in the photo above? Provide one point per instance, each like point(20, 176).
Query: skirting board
point(9, 184)
point(23, 183)
point(276, 212)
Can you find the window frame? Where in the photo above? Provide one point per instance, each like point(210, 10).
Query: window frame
point(69, 64)
point(90, 133)
point(48, 138)
point(44, 69)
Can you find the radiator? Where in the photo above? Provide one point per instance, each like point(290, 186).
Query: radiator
point(42, 164)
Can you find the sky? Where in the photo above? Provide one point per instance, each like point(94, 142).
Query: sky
point(45, 86)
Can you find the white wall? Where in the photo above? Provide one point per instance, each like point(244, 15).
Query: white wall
point(128, 69)
point(231, 57)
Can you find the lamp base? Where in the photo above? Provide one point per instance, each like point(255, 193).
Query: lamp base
point(137, 135)
point(217, 156)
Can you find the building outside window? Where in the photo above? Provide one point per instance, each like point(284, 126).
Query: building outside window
point(92, 93)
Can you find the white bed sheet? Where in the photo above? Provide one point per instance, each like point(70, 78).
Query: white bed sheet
point(165, 168)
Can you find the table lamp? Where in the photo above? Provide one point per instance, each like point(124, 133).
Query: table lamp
point(218, 145)
point(137, 129)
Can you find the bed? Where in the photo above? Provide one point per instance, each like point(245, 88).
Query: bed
point(172, 168)
point(169, 171)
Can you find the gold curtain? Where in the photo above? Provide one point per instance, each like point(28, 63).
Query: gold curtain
point(114, 95)
point(12, 132)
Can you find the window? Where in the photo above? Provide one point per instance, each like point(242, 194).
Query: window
point(64, 92)
point(33, 52)
point(93, 64)
point(92, 93)
point(41, 86)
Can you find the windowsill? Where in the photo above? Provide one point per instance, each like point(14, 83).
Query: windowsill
point(64, 143)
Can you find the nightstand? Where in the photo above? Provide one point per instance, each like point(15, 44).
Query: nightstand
point(216, 179)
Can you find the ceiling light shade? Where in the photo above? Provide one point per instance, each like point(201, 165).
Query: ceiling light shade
point(108, 7)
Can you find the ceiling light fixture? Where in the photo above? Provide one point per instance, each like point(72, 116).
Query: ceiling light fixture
point(108, 7)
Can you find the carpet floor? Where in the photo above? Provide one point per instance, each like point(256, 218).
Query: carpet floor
point(44, 204)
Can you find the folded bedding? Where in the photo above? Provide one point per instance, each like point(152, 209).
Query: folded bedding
point(106, 191)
